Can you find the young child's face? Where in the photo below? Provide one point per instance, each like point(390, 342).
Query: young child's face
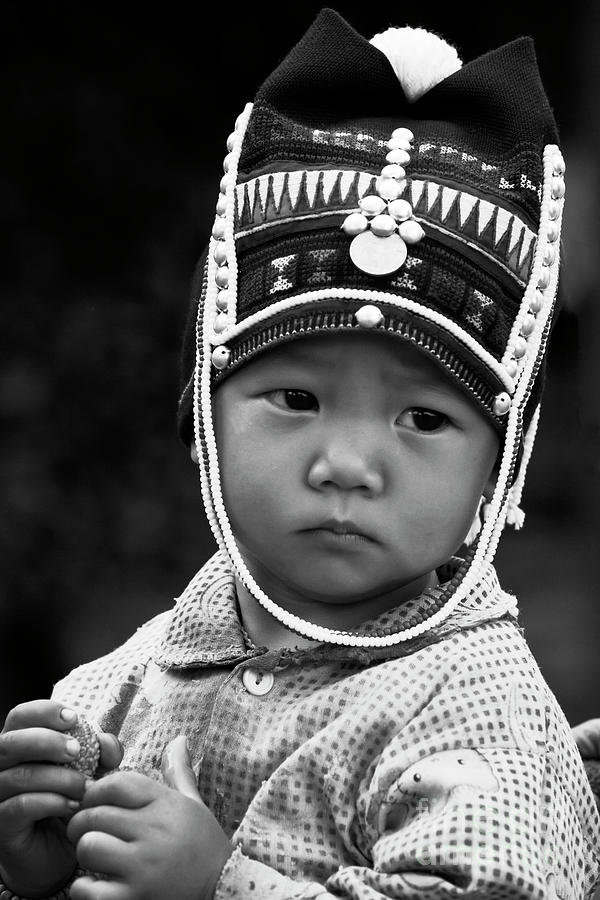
point(351, 465)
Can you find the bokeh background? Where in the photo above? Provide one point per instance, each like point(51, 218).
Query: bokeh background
point(114, 134)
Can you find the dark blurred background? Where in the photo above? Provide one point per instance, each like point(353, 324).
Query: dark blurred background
point(114, 133)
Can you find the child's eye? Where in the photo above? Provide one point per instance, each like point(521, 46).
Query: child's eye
point(420, 419)
point(295, 399)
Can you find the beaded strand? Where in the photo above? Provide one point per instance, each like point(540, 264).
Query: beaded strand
point(550, 220)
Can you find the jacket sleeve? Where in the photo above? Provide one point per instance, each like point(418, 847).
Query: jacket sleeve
point(462, 813)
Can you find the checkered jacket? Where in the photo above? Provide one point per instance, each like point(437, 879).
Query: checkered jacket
point(441, 768)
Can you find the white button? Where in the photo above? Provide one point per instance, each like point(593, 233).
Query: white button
point(257, 683)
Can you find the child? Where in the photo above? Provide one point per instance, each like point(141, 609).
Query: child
point(363, 370)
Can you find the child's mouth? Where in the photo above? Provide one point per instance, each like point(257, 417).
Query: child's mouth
point(341, 533)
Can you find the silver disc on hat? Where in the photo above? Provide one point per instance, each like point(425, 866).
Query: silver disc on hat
point(377, 255)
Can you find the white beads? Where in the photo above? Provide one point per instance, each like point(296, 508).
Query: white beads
point(520, 348)
point(221, 356)
point(220, 323)
point(403, 133)
point(218, 230)
point(372, 205)
point(222, 276)
point(223, 300)
point(383, 225)
point(400, 210)
point(220, 254)
point(368, 316)
point(223, 250)
point(549, 255)
point(355, 223)
point(557, 188)
point(411, 232)
point(527, 325)
point(388, 188)
point(558, 165)
point(537, 301)
point(393, 170)
point(544, 278)
point(502, 404)
point(399, 157)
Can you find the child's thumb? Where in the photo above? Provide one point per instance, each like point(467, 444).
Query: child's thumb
point(177, 768)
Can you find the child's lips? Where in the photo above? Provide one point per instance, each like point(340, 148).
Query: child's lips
point(342, 531)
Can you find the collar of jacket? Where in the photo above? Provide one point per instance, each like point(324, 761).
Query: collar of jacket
point(205, 629)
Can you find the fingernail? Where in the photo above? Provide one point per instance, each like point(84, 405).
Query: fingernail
point(68, 715)
point(73, 747)
point(73, 805)
point(88, 783)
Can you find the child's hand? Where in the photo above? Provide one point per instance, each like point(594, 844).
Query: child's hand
point(587, 737)
point(38, 792)
point(149, 840)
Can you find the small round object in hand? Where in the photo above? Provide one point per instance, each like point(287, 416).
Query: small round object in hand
point(89, 755)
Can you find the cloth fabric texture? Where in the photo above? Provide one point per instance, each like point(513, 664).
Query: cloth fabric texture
point(442, 767)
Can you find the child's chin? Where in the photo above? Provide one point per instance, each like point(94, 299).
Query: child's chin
point(333, 587)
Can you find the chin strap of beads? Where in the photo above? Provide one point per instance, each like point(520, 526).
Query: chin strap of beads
point(508, 491)
point(484, 549)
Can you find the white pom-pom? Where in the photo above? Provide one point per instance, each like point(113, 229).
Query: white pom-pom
point(419, 58)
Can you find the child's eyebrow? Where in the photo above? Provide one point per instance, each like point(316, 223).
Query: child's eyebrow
point(416, 377)
point(298, 356)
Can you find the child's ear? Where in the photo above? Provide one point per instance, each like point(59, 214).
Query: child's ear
point(194, 453)
point(490, 485)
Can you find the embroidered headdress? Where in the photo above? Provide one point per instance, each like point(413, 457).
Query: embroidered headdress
point(384, 185)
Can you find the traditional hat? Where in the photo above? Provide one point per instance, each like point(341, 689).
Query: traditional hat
point(384, 185)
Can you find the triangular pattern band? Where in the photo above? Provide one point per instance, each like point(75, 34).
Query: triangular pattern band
point(280, 197)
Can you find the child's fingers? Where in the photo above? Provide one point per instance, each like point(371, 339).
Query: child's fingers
point(177, 769)
point(38, 778)
point(42, 713)
point(88, 888)
point(36, 745)
point(123, 824)
point(24, 809)
point(111, 751)
point(105, 854)
point(129, 790)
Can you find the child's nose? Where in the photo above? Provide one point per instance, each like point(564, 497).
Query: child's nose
point(345, 465)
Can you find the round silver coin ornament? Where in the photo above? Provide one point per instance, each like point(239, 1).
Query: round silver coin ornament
point(377, 255)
